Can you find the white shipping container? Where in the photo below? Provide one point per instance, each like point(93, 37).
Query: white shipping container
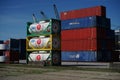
point(2, 46)
point(2, 58)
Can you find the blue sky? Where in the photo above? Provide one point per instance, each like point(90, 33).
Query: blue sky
point(15, 13)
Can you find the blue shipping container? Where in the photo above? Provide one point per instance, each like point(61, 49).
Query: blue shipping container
point(88, 56)
point(92, 21)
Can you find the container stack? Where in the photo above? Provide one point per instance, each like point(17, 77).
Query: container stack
point(2, 49)
point(12, 51)
point(117, 43)
point(43, 42)
point(15, 50)
point(86, 35)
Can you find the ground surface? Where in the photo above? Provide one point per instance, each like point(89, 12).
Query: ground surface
point(28, 72)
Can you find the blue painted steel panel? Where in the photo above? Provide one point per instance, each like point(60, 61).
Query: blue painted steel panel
point(92, 21)
point(79, 56)
point(89, 56)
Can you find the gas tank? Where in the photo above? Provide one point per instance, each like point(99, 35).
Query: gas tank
point(35, 28)
point(39, 42)
point(39, 56)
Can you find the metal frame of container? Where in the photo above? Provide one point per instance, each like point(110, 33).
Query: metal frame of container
point(51, 34)
point(51, 37)
point(54, 57)
point(53, 24)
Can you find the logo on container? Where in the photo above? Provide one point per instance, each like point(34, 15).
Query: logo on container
point(38, 27)
point(38, 57)
point(74, 23)
point(39, 41)
point(35, 28)
point(75, 56)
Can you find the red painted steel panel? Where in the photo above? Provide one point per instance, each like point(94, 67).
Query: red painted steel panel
point(11, 56)
point(85, 33)
point(85, 12)
point(86, 44)
point(7, 54)
point(79, 45)
point(78, 34)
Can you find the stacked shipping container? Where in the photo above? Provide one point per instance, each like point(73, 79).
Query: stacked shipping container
point(117, 42)
point(86, 35)
point(85, 12)
point(2, 48)
point(43, 42)
point(12, 51)
point(15, 50)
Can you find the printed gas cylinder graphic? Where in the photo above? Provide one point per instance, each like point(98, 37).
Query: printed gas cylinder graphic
point(38, 56)
point(39, 42)
point(35, 28)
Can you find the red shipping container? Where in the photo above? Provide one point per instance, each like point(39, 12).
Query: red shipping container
point(85, 12)
point(12, 56)
point(78, 45)
point(85, 45)
point(85, 33)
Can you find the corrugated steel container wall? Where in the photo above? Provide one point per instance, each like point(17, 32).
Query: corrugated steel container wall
point(115, 56)
point(87, 33)
point(12, 56)
point(117, 38)
point(88, 56)
point(14, 44)
point(92, 11)
point(1, 53)
point(75, 34)
point(78, 45)
point(110, 34)
point(79, 56)
point(7, 42)
point(22, 49)
point(86, 45)
point(91, 21)
point(117, 32)
point(1, 41)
